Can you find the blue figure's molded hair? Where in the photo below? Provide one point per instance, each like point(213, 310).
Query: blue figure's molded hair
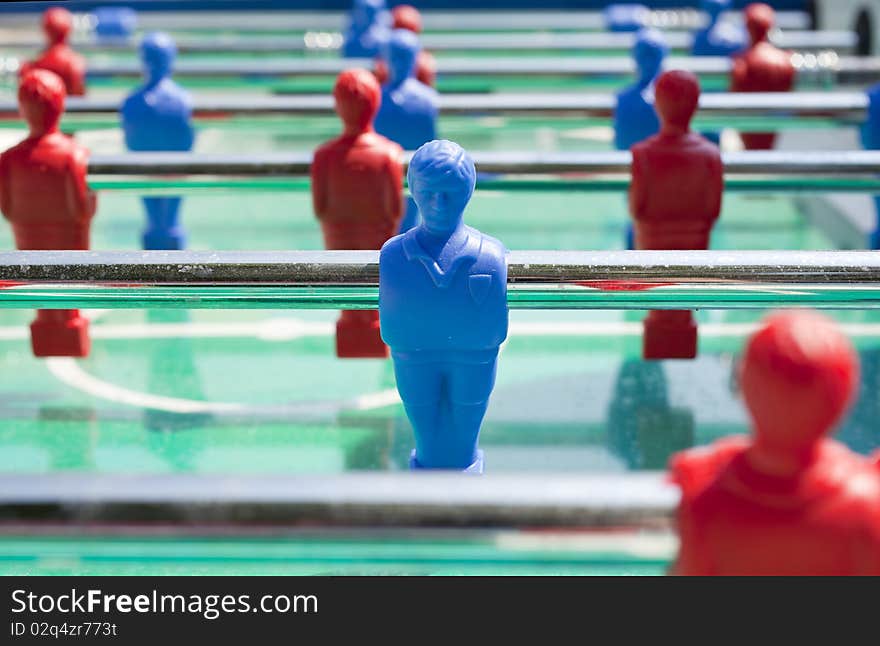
point(650, 42)
point(158, 46)
point(442, 166)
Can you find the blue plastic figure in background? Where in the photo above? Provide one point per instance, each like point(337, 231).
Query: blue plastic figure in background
point(717, 37)
point(408, 113)
point(368, 28)
point(626, 17)
point(870, 132)
point(158, 117)
point(634, 116)
point(443, 312)
point(115, 23)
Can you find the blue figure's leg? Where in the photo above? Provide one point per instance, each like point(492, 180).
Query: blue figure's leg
point(163, 224)
point(420, 385)
point(630, 237)
point(874, 239)
point(410, 216)
point(470, 386)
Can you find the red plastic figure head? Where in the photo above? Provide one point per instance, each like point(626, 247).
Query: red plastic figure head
point(57, 23)
point(407, 17)
point(760, 19)
point(357, 96)
point(41, 97)
point(676, 96)
point(798, 377)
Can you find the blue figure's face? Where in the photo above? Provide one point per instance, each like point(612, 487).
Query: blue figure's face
point(401, 53)
point(441, 178)
point(158, 52)
point(649, 52)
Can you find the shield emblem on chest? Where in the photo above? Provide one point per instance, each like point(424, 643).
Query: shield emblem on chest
point(479, 285)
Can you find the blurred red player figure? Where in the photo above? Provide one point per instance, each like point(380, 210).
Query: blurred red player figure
point(408, 17)
point(763, 67)
point(357, 194)
point(788, 500)
point(58, 57)
point(44, 195)
point(674, 199)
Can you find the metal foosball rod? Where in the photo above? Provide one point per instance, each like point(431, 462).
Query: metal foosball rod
point(824, 67)
point(300, 21)
point(774, 162)
point(349, 279)
point(842, 106)
point(312, 42)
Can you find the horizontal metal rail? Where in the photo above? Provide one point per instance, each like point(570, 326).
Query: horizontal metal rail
point(843, 106)
point(816, 65)
point(349, 279)
point(796, 163)
point(808, 41)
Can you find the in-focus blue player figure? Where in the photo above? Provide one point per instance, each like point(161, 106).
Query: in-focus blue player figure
point(870, 132)
point(368, 28)
point(443, 312)
point(158, 117)
point(114, 24)
point(408, 113)
point(717, 37)
point(634, 116)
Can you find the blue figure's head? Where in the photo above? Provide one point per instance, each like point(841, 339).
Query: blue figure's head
point(441, 179)
point(366, 12)
point(401, 53)
point(158, 52)
point(714, 8)
point(649, 52)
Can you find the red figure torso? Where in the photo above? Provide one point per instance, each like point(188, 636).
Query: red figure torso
point(44, 195)
point(676, 189)
point(426, 69)
point(734, 520)
point(66, 63)
point(357, 190)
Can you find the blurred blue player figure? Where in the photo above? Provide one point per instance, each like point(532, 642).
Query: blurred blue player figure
point(158, 117)
point(408, 113)
point(368, 28)
point(626, 17)
point(634, 116)
point(717, 37)
point(114, 24)
point(443, 312)
point(870, 132)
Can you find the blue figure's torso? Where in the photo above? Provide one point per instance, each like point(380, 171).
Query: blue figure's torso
point(408, 114)
point(441, 314)
point(158, 118)
point(721, 39)
point(635, 118)
point(365, 43)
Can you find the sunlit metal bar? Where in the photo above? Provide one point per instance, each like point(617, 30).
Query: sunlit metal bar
point(670, 19)
point(349, 279)
point(840, 41)
point(775, 162)
point(848, 106)
point(377, 499)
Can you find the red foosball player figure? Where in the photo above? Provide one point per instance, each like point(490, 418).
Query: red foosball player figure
point(58, 56)
point(408, 17)
point(674, 199)
point(763, 67)
point(44, 195)
point(357, 194)
point(788, 500)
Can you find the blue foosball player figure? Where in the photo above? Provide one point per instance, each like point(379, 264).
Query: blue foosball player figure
point(158, 117)
point(368, 28)
point(115, 24)
point(870, 132)
point(634, 116)
point(717, 37)
point(443, 312)
point(408, 113)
